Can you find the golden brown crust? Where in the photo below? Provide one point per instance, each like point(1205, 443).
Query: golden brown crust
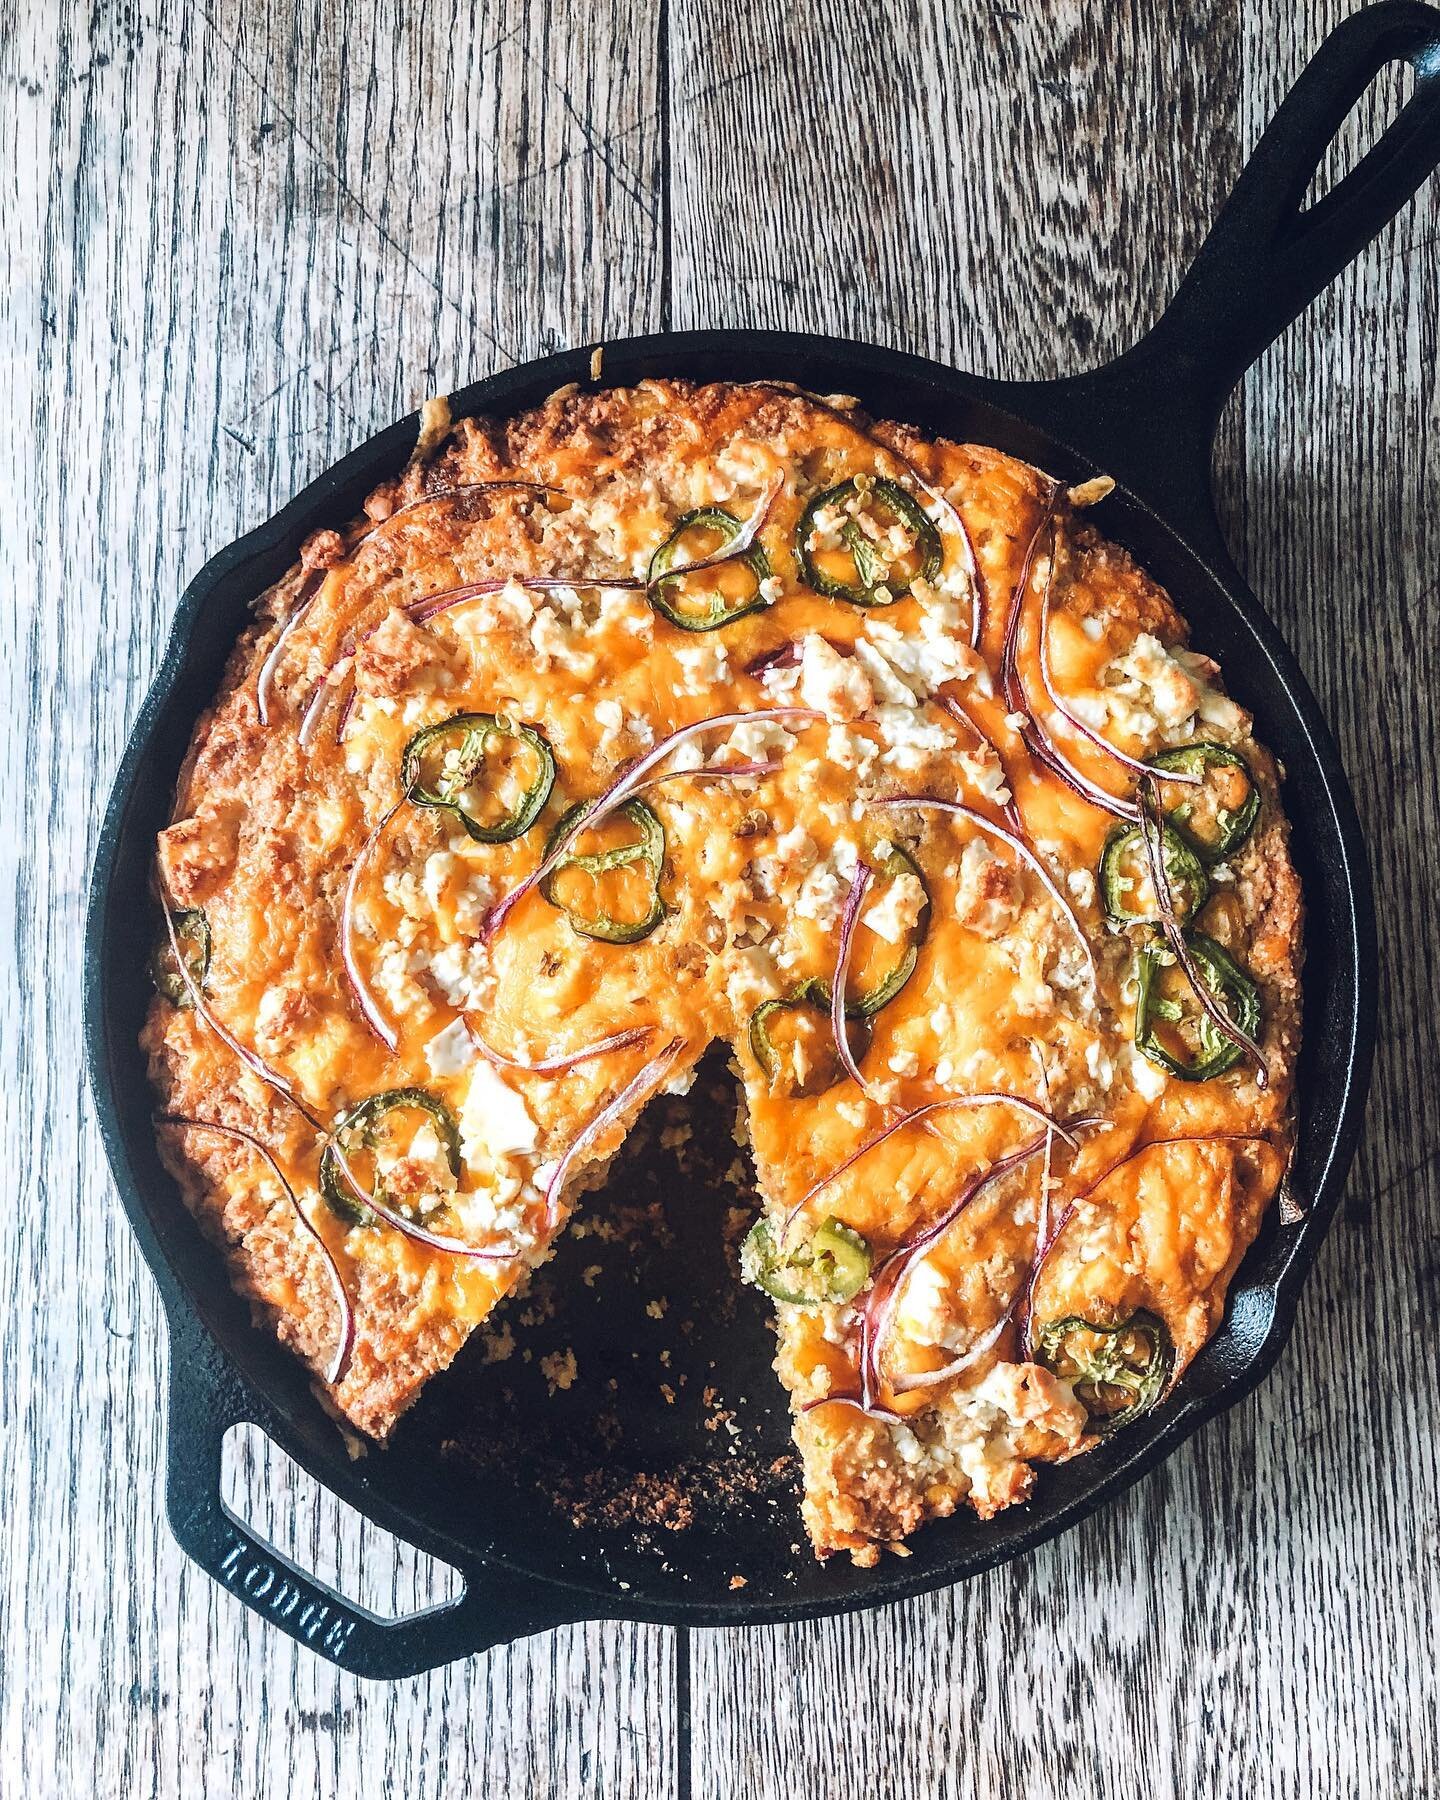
point(296, 766)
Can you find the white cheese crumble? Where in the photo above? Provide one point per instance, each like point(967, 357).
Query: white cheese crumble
point(463, 974)
point(833, 684)
point(894, 914)
point(450, 1050)
point(706, 662)
point(495, 1122)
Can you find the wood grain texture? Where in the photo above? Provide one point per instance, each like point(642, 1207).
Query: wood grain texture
point(1244, 1622)
point(235, 241)
point(236, 244)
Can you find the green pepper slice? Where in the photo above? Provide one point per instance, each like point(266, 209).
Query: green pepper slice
point(359, 1130)
point(1118, 1372)
point(814, 994)
point(830, 1266)
point(898, 863)
point(1230, 824)
point(816, 991)
point(876, 581)
point(192, 933)
point(1227, 981)
point(664, 591)
point(1124, 864)
point(442, 761)
point(647, 850)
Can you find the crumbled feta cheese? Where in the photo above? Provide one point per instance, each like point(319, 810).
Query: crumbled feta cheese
point(706, 661)
point(851, 750)
point(833, 684)
point(463, 974)
point(822, 895)
point(1146, 1077)
point(910, 740)
point(760, 740)
point(495, 1122)
point(450, 1050)
point(894, 914)
point(922, 1313)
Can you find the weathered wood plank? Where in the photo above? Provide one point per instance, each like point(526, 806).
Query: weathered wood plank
point(236, 241)
point(1017, 190)
point(239, 240)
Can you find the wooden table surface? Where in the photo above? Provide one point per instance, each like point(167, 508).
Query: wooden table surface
point(237, 239)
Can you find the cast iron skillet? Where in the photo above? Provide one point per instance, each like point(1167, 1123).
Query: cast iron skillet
point(1148, 419)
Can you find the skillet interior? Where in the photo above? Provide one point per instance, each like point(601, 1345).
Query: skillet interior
point(466, 1511)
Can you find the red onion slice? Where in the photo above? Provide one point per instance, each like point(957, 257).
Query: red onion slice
point(961, 715)
point(569, 1059)
point(346, 1339)
point(265, 682)
point(251, 1060)
point(1133, 764)
point(741, 771)
point(735, 546)
point(1021, 849)
point(366, 1001)
point(621, 790)
point(1018, 1101)
point(849, 924)
point(885, 1414)
point(1027, 1311)
point(882, 1301)
point(451, 493)
point(783, 656)
point(642, 1083)
point(432, 1240)
point(1033, 735)
point(1152, 835)
point(315, 710)
point(927, 1378)
point(419, 612)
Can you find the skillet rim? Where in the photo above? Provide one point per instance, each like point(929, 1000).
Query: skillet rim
point(1113, 1468)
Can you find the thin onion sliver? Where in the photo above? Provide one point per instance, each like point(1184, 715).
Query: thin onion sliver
point(1021, 849)
point(256, 1065)
point(346, 1338)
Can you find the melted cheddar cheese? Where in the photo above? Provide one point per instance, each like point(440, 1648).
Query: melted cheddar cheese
point(354, 953)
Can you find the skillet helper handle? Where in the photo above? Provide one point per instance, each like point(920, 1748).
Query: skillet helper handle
point(1149, 417)
point(1268, 256)
point(495, 1607)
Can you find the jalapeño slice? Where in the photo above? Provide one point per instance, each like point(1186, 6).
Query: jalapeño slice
point(861, 1008)
point(809, 996)
point(444, 762)
point(1118, 1371)
point(192, 933)
point(1125, 869)
point(832, 1265)
point(360, 1130)
point(727, 590)
point(645, 853)
point(898, 864)
point(882, 571)
point(1217, 817)
point(1186, 1041)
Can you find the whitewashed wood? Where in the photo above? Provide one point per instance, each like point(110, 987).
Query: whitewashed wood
point(1253, 1619)
point(235, 243)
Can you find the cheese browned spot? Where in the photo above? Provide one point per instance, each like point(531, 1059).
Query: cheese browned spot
point(754, 878)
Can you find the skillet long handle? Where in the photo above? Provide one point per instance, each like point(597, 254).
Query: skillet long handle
point(206, 1399)
point(1154, 410)
point(1266, 259)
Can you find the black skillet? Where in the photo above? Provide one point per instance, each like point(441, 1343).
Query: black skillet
point(1148, 419)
